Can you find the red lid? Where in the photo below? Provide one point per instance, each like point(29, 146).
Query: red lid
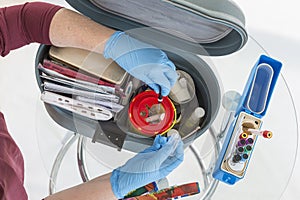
point(140, 110)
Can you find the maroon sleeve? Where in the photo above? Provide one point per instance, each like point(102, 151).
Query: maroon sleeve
point(11, 166)
point(23, 24)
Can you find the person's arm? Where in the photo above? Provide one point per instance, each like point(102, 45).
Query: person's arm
point(24, 24)
point(50, 24)
point(71, 29)
point(152, 164)
point(96, 189)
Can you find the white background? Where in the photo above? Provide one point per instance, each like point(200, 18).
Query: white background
point(274, 24)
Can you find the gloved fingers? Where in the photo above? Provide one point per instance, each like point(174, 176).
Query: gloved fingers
point(158, 77)
point(158, 142)
point(173, 161)
point(169, 149)
point(178, 154)
point(172, 76)
point(115, 183)
point(170, 64)
point(161, 82)
point(165, 91)
point(154, 87)
point(161, 140)
point(142, 73)
point(180, 150)
point(170, 165)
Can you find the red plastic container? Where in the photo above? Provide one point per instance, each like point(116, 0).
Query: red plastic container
point(140, 108)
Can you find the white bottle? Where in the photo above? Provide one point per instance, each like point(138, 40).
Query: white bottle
point(172, 132)
point(180, 92)
point(192, 122)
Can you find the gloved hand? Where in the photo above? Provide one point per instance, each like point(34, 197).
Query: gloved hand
point(143, 61)
point(152, 164)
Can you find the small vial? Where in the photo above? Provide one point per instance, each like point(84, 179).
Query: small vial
point(241, 142)
point(245, 157)
point(172, 132)
point(155, 118)
point(180, 92)
point(265, 134)
point(243, 135)
point(240, 150)
point(183, 83)
point(236, 158)
point(197, 114)
point(248, 148)
point(193, 121)
point(249, 141)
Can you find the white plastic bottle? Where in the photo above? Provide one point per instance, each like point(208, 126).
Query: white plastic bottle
point(192, 122)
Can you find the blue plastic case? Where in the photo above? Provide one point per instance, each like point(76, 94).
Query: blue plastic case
point(238, 145)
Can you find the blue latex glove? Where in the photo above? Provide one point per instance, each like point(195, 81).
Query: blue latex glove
point(143, 61)
point(150, 165)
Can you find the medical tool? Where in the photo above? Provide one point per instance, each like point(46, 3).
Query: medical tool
point(265, 134)
point(232, 163)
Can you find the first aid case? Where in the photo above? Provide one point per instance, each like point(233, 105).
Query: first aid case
point(184, 29)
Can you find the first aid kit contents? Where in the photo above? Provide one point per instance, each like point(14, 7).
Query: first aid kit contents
point(245, 130)
point(151, 192)
point(77, 90)
point(105, 95)
point(86, 84)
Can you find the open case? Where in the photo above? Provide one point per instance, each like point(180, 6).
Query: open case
point(182, 29)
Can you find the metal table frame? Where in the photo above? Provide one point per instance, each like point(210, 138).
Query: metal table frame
point(210, 184)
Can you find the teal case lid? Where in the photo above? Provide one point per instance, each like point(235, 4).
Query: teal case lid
point(259, 87)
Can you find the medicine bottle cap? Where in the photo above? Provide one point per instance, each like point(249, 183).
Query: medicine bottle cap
point(198, 113)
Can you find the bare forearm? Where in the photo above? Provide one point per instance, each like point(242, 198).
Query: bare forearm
point(49, 24)
point(96, 189)
point(71, 29)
